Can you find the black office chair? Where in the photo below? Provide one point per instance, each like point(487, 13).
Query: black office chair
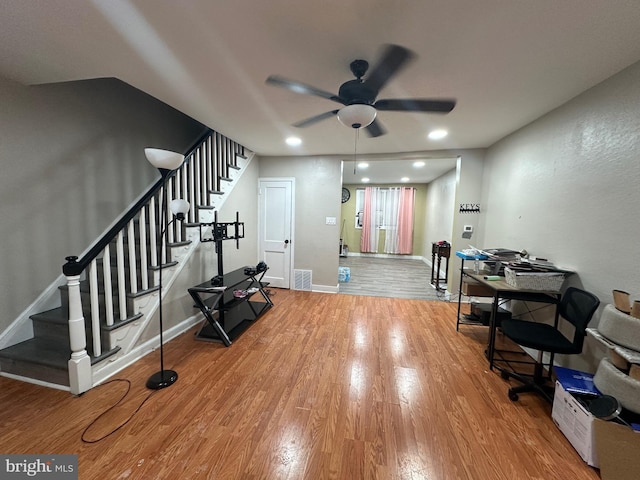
point(576, 307)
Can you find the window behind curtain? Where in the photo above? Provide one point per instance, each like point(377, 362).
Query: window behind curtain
point(387, 217)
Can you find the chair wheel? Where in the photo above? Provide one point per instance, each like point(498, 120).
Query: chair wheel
point(504, 374)
point(513, 396)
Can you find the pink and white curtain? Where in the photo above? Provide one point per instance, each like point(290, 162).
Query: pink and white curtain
point(370, 224)
point(405, 221)
point(390, 209)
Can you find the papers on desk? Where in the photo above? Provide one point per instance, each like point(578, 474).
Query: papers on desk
point(502, 254)
point(527, 266)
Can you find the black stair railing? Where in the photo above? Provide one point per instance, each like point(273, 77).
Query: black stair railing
point(93, 293)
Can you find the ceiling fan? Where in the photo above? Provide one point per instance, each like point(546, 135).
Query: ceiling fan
point(359, 95)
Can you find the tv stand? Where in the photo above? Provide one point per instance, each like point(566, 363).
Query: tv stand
point(226, 315)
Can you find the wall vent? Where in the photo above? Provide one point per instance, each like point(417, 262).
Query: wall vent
point(302, 280)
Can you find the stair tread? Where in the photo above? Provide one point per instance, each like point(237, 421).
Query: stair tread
point(55, 315)
point(39, 352)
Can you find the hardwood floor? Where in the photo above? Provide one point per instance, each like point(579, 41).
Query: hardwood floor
point(322, 387)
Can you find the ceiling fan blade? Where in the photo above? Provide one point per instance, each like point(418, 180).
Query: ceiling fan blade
point(299, 87)
point(375, 129)
point(315, 119)
point(393, 59)
point(415, 105)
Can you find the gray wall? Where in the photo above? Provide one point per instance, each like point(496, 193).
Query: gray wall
point(566, 187)
point(202, 265)
point(440, 205)
point(72, 161)
point(318, 184)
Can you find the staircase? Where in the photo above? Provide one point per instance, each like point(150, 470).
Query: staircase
point(111, 292)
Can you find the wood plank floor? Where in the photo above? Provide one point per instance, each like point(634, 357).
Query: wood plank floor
point(389, 277)
point(322, 387)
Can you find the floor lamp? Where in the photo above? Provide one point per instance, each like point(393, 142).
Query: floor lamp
point(165, 161)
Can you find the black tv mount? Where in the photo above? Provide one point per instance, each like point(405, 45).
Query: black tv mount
point(221, 231)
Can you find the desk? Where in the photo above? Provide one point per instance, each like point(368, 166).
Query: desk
point(503, 291)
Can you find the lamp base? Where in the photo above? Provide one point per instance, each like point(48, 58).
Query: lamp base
point(162, 379)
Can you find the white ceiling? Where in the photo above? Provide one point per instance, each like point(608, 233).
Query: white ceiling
point(382, 170)
point(507, 62)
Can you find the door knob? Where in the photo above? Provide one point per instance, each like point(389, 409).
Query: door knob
point(286, 242)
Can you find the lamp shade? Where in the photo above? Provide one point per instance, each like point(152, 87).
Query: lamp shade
point(357, 115)
point(163, 159)
point(179, 207)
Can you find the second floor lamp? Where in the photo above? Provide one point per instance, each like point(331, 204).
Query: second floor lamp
point(165, 161)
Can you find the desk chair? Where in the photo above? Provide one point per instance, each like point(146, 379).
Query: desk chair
point(576, 307)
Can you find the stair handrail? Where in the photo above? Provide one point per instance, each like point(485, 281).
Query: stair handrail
point(75, 265)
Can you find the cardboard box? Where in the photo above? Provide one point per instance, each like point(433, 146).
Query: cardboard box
point(617, 446)
point(576, 423)
point(609, 445)
point(472, 288)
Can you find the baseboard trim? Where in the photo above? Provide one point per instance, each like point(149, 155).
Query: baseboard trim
point(325, 288)
point(34, 381)
point(387, 255)
point(115, 365)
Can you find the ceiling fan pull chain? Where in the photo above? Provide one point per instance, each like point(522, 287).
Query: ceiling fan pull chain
point(355, 150)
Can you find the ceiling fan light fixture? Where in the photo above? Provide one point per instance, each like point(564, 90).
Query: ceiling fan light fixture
point(357, 115)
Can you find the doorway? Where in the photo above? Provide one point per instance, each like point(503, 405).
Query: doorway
point(275, 232)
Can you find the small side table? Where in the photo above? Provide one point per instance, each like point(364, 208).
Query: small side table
point(439, 251)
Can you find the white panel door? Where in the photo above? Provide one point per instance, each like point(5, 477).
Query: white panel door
point(275, 229)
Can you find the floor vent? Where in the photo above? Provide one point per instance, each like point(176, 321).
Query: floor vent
point(302, 280)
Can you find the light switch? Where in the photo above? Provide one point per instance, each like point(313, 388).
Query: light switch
point(331, 220)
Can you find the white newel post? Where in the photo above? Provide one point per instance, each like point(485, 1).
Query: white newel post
point(80, 377)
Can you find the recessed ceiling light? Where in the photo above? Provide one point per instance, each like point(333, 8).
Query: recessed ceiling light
point(365, 179)
point(404, 179)
point(293, 141)
point(363, 165)
point(437, 134)
point(418, 164)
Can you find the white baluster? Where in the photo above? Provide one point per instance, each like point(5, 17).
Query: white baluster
point(144, 278)
point(192, 195)
point(108, 287)
point(133, 274)
point(153, 235)
point(122, 292)
point(95, 308)
point(170, 238)
point(207, 160)
point(197, 180)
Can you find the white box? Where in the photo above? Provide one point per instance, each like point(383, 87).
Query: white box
point(576, 423)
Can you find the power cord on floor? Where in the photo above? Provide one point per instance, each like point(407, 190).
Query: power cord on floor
point(128, 382)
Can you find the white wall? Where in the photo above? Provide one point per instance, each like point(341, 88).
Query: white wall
point(566, 187)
